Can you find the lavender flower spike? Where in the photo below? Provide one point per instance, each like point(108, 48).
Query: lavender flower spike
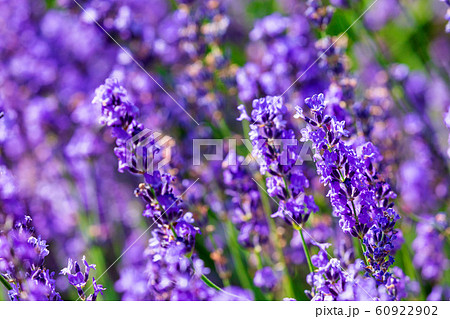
point(360, 198)
point(79, 279)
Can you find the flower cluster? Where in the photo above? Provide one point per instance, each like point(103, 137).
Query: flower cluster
point(173, 272)
point(22, 264)
point(430, 242)
point(332, 282)
point(329, 280)
point(78, 279)
point(281, 50)
point(120, 114)
point(22, 254)
point(201, 63)
point(266, 278)
point(275, 147)
point(360, 198)
point(245, 211)
point(319, 14)
point(378, 136)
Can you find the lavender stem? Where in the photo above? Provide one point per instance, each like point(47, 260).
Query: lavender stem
point(308, 257)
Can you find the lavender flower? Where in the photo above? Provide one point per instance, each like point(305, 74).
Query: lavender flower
point(380, 132)
point(172, 273)
point(328, 280)
point(430, 242)
point(319, 14)
point(191, 40)
point(275, 147)
point(439, 293)
point(358, 195)
point(21, 264)
point(332, 282)
point(118, 113)
point(266, 278)
point(79, 279)
point(381, 13)
point(245, 210)
point(447, 16)
point(280, 51)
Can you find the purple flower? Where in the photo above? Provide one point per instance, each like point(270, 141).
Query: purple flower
point(245, 210)
point(79, 279)
point(381, 13)
point(276, 150)
point(266, 278)
point(280, 51)
point(22, 263)
point(41, 246)
point(327, 281)
point(120, 114)
point(429, 245)
point(172, 271)
point(359, 197)
point(447, 16)
point(97, 289)
point(439, 293)
point(319, 14)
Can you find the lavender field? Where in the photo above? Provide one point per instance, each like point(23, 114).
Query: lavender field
point(224, 150)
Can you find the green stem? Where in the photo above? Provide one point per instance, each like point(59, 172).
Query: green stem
point(358, 247)
point(173, 231)
point(209, 283)
point(354, 212)
point(241, 270)
point(308, 256)
point(258, 257)
point(5, 282)
point(224, 130)
point(288, 286)
point(205, 279)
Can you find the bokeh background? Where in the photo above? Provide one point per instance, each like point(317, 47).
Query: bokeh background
point(57, 161)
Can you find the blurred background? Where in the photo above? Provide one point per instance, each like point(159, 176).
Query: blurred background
point(57, 162)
